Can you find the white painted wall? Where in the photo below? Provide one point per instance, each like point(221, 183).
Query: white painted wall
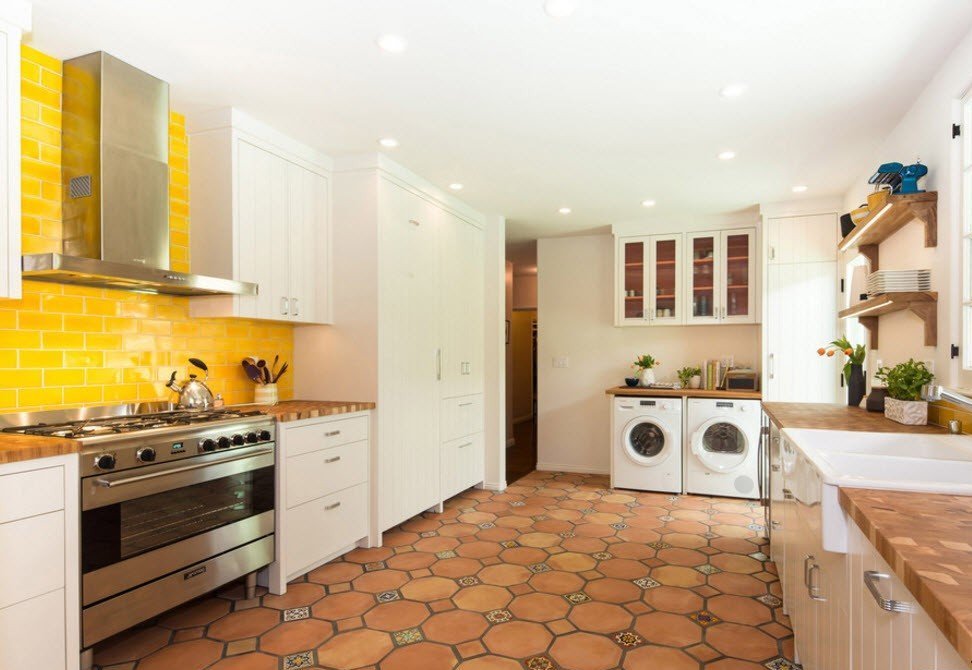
point(575, 319)
point(524, 290)
point(494, 384)
point(923, 133)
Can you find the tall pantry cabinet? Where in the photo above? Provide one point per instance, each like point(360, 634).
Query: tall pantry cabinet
point(407, 333)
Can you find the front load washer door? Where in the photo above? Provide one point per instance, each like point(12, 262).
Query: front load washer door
point(720, 445)
point(647, 441)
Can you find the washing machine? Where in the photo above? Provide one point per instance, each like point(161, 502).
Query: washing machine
point(646, 453)
point(722, 449)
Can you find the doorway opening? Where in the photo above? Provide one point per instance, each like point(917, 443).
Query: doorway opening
point(521, 361)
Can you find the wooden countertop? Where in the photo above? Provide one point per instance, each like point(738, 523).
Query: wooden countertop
point(837, 417)
point(638, 391)
point(295, 410)
point(15, 448)
point(925, 538)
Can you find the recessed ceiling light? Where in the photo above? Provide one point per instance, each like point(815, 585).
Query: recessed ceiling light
point(647, 203)
point(727, 155)
point(559, 9)
point(394, 44)
point(388, 142)
point(564, 210)
point(732, 90)
point(456, 186)
point(799, 189)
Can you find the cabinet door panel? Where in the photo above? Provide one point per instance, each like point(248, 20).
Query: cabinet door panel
point(308, 245)
point(702, 272)
point(632, 259)
point(32, 633)
point(460, 298)
point(665, 280)
point(738, 276)
point(802, 239)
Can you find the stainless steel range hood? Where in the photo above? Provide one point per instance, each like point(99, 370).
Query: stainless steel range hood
point(115, 175)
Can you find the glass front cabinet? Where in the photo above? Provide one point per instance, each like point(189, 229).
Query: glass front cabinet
point(690, 278)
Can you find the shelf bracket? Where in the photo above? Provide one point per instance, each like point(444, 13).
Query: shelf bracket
point(928, 313)
point(872, 253)
point(871, 323)
point(927, 213)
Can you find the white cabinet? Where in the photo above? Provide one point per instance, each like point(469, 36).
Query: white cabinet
point(39, 591)
point(261, 213)
point(461, 288)
point(322, 502)
point(720, 277)
point(14, 19)
point(649, 280)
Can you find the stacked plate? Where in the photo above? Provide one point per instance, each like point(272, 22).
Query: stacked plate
point(898, 281)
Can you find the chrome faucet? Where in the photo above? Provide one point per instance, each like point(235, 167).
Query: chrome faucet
point(932, 392)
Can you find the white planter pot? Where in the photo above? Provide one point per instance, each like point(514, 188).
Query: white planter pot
point(647, 376)
point(695, 382)
point(908, 412)
point(266, 394)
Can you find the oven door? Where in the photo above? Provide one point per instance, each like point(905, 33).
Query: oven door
point(139, 525)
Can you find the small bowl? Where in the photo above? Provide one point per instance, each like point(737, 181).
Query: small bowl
point(631, 381)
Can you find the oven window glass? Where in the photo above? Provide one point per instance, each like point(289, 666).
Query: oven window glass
point(724, 438)
point(117, 532)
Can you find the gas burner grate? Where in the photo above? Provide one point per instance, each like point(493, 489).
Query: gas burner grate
point(128, 424)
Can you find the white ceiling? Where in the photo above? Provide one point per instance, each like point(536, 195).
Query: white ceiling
point(597, 112)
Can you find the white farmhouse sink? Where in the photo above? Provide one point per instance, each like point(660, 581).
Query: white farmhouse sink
point(949, 447)
point(934, 475)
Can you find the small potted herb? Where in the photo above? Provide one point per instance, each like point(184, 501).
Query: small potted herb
point(690, 377)
point(645, 365)
point(904, 382)
point(853, 367)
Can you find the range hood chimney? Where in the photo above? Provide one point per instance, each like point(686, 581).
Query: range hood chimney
point(115, 175)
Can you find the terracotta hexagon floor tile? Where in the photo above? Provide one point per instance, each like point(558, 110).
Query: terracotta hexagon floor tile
point(193, 655)
point(679, 556)
point(436, 544)
point(490, 662)
point(743, 642)
point(734, 664)
point(343, 605)
point(483, 598)
point(455, 626)
point(557, 582)
point(523, 555)
point(594, 530)
point(504, 574)
point(380, 580)
point(739, 609)
point(198, 613)
point(674, 575)
point(571, 561)
point(298, 595)
point(673, 630)
point(248, 662)
point(354, 649)
point(541, 607)
point(369, 555)
point(672, 599)
point(335, 573)
point(632, 550)
point(703, 652)
point(596, 617)
point(622, 568)
point(586, 651)
point(294, 636)
point(420, 656)
point(427, 589)
point(737, 584)
point(612, 590)
point(132, 645)
point(396, 615)
point(458, 530)
point(245, 623)
point(517, 639)
point(456, 567)
point(660, 657)
point(479, 548)
point(412, 560)
point(736, 563)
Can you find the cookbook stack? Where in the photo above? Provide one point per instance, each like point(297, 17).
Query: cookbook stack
point(898, 281)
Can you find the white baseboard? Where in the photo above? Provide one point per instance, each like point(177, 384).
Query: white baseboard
point(582, 469)
point(494, 486)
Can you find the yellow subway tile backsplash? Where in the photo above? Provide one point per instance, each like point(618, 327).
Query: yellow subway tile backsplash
point(63, 345)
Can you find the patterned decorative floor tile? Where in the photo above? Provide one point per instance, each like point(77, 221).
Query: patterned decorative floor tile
point(628, 579)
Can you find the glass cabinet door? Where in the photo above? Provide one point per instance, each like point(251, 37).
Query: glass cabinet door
point(702, 271)
point(633, 256)
point(737, 299)
point(665, 282)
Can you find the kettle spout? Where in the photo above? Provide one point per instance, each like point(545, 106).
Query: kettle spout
point(172, 383)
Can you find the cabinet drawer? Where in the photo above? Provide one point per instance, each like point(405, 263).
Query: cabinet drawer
point(302, 439)
point(322, 472)
point(32, 562)
point(320, 527)
point(462, 416)
point(25, 494)
point(32, 633)
point(461, 464)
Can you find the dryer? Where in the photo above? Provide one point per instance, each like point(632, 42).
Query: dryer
point(646, 444)
point(722, 447)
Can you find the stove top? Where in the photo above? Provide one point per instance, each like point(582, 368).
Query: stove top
point(118, 422)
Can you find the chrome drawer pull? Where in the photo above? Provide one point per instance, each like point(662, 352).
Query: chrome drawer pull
point(334, 459)
point(328, 508)
point(812, 588)
point(465, 404)
point(871, 578)
point(332, 433)
point(464, 445)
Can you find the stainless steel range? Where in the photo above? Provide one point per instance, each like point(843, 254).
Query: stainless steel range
point(174, 503)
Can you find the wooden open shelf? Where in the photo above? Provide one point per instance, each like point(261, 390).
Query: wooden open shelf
point(897, 211)
point(923, 304)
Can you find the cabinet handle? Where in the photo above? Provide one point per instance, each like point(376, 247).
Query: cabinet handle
point(332, 433)
point(775, 468)
point(808, 559)
point(772, 253)
point(294, 303)
point(787, 494)
point(333, 459)
point(465, 404)
point(328, 508)
point(414, 222)
point(775, 524)
point(812, 588)
point(871, 578)
point(771, 360)
point(284, 306)
point(464, 445)
point(438, 365)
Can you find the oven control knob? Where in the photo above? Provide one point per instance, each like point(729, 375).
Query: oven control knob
point(223, 442)
point(264, 435)
point(208, 444)
point(252, 437)
point(105, 461)
point(145, 455)
point(237, 440)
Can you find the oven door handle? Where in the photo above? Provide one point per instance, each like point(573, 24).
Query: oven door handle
point(112, 483)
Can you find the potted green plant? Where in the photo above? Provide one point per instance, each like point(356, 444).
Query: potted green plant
point(904, 382)
point(645, 364)
point(690, 377)
point(853, 367)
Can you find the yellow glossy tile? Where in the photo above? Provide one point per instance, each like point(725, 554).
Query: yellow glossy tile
point(83, 324)
point(84, 359)
point(102, 342)
point(103, 376)
point(16, 379)
point(8, 319)
point(81, 395)
point(63, 304)
point(40, 397)
point(41, 359)
point(64, 377)
point(32, 55)
point(19, 339)
point(62, 340)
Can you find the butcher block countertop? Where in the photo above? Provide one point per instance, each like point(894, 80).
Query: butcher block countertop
point(15, 448)
point(638, 391)
point(295, 410)
point(837, 417)
point(927, 540)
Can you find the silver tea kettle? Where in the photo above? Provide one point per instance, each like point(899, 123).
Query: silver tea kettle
point(193, 394)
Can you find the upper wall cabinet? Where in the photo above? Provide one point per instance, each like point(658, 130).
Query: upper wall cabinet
point(686, 279)
point(14, 18)
point(260, 213)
